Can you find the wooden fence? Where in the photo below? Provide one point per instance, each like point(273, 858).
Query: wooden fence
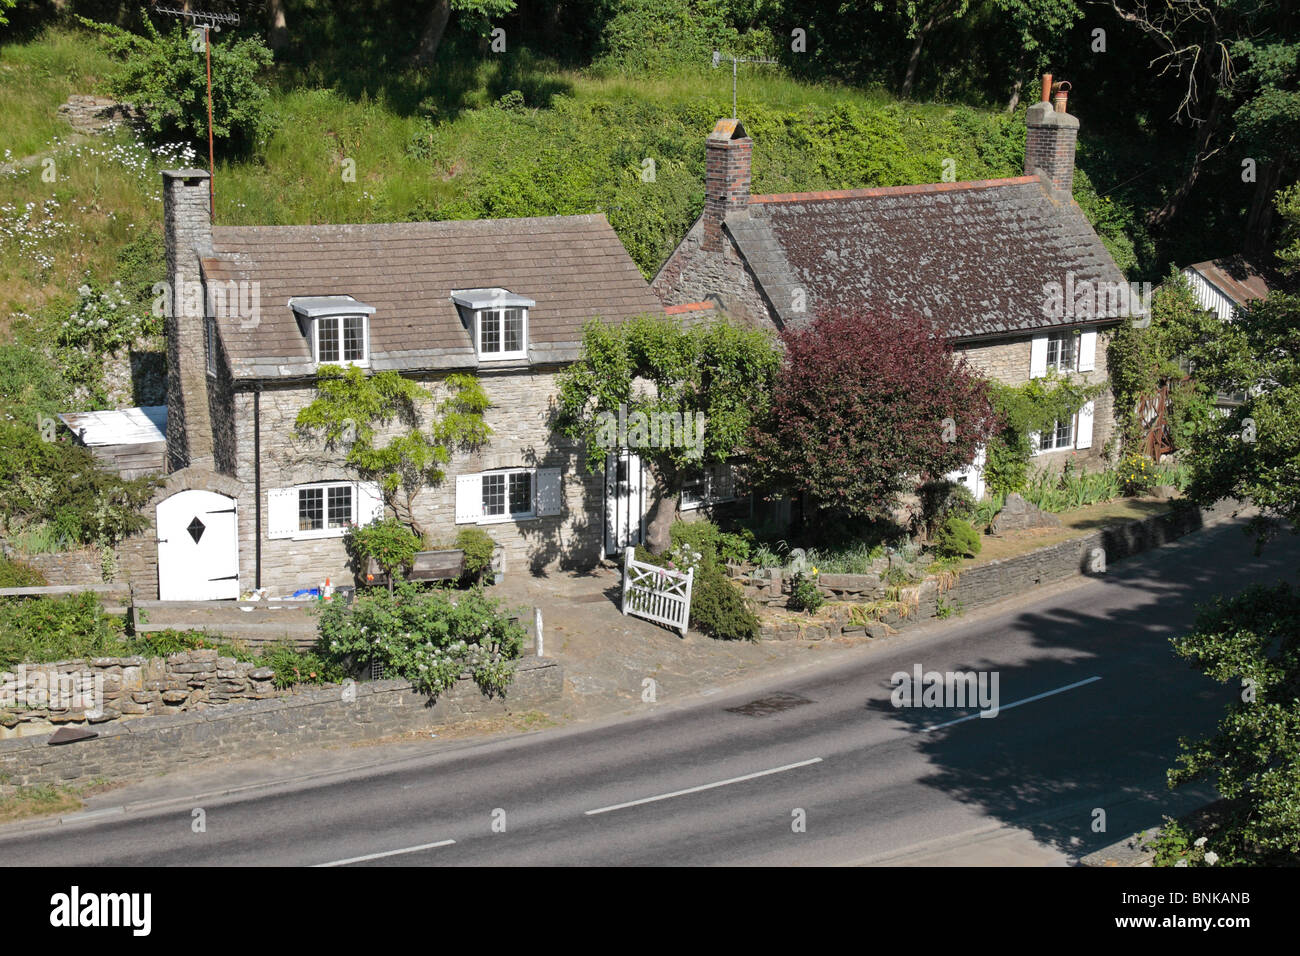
point(657, 594)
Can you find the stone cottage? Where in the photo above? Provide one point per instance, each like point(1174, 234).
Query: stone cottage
point(1009, 268)
point(251, 503)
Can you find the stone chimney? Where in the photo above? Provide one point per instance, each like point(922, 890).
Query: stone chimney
point(727, 154)
point(1051, 138)
point(187, 234)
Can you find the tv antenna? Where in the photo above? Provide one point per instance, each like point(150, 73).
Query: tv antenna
point(718, 58)
point(207, 21)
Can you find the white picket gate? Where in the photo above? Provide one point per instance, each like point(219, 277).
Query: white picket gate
point(655, 593)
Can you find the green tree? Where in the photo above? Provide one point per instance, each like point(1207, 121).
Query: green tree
point(652, 366)
point(1144, 356)
point(377, 418)
point(1288, 249)
point(440, 11)
point(1254, 453)
point(166, 76)
point(6, 5)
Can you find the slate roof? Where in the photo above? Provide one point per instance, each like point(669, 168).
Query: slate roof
point(971, 256)
point(573, 266)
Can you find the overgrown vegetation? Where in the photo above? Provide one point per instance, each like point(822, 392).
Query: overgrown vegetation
point(59, 488)
point(426, 636)
point(1022, 410)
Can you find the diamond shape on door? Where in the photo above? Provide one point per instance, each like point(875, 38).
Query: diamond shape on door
point(196, 529)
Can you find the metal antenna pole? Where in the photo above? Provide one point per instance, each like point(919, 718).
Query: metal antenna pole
point(735, 61)
point(209, 21)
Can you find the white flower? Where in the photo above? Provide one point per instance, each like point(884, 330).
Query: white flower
point(1181, 863)
point(1211, 858)
point(83, 290)
point(1200, 841)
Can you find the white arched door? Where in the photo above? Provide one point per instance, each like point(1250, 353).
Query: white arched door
point(198, 547)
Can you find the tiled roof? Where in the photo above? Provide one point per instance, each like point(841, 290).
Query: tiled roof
point(973, 256)
point(686, 307)
point(573, 266)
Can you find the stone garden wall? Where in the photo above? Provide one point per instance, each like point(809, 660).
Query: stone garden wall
point(39, 698)
point(151, 745)
point(973, 588)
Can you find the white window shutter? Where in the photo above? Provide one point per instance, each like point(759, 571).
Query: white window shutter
point(550, 491)
point(370, 503)
point(1088, 350)
point(281, 512)
point(1038, 356)
point(1083, 433)
point(469, 498)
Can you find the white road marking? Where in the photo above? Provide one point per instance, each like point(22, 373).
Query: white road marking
point(376, 856)
point(1027, 700)
point(705, 786)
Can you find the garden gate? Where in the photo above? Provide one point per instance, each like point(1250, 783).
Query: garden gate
point(655, 593)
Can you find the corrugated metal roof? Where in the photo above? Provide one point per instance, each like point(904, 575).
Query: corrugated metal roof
point(1236, 277)
point(122, 426)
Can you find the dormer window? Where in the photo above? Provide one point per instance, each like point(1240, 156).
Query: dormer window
point(337, 328)
point(498, 321)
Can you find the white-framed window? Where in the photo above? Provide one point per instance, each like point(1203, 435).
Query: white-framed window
point(1073, 432)
point(712, 484)
point(501, 333)
point(1062, 352)
point(210, 342)
point(341, 340)
point(508, 494)
point(1074, 350)
point(323, 509)
point(1061, 436)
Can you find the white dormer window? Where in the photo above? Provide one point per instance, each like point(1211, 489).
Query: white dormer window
point(498, 322)
point(341, 339)
point(337, 328)
point(502, 333)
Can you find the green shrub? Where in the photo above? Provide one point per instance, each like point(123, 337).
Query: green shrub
point(62, 484)
point(16, 574)
point(941, 500)
point(719, 609)
point(392, 544)
point(424, 636)
point(478, 547)
point(804, 594)
point(293, 667)
point(163, 72)
point(1137, 474)
point(41, 630)
point(957, 538)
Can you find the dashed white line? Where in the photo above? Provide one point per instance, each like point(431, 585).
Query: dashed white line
point(1027, 700)
point(376, 856)
point(705, 786)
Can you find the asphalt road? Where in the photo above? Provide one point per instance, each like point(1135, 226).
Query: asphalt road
point(715, 781)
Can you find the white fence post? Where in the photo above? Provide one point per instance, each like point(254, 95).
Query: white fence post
point(628, 552)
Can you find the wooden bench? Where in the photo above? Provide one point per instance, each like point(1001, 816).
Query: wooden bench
point(428, 566)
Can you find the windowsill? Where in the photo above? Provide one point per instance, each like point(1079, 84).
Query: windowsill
point(360, 363)
point(508, 357)
point(506, 519)
point(312, 535)
point(696, 506)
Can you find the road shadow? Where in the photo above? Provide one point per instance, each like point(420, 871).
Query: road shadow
point(1063, 794)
